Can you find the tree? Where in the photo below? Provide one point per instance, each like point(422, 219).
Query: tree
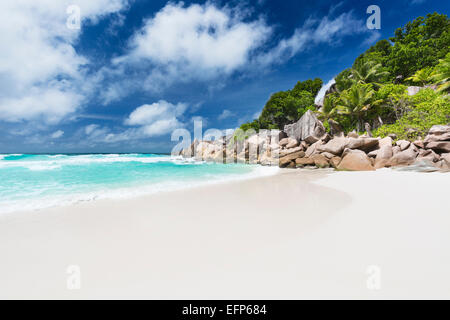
point(368, 72)
point(441, 74)
point(329, 109)
point(344, 80)
point(419, 44)
point(251, 125)
point(285, 107)
point(356, 101)
point(312, 86)
point(423, 76)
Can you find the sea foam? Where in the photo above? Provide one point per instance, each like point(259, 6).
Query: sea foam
point(32, 182)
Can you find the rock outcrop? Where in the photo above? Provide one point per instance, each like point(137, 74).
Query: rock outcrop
point(308, 128)
point(307, 144)
point(355, 160)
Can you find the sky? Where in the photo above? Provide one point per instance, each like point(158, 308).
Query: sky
point(83, 76)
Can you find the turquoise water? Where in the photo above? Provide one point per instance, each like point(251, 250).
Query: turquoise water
point(30, 182)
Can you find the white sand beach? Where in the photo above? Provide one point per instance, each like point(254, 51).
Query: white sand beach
point(297, 235)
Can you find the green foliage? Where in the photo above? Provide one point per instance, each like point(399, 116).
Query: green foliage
point(419, 44)
point(372, 91)
point(311, 86)
point(423, 76)
point(344, 80)
point(441, 74)
point(427, 108)
point(251, 125)
point(285, 107)
point(369, 71)
point(329, 109)
point(356, 102)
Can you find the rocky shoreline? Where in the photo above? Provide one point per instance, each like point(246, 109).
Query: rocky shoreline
point(307, 144)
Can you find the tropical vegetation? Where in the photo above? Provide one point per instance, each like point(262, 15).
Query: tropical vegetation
point(375, 89)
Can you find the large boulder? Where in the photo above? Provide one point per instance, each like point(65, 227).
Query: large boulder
point(286, 152)
point(335, 162)
point(327, 155)
point(335, 146)
point(429, 155)
point(284, 142)
point(365, 144)
point(439, 129)
point(446, 157)
point(355, 160)
point(286, 160)
point(302, 162)
point(419, 144)
point(403, 144)
point(385, 142)
point(384, 154)
point(292, 143)
point(312, 149)
point(308, 128)
point(438, 133)
point(404, 158)
point(442, 146)
point(320, 161)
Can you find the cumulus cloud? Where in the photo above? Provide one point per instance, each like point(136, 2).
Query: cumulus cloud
point(205, 42)
point(57, 134)
point(158, 118)
point(42, 77)
point(203, 39)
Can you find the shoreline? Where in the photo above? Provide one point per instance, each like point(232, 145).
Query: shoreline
point(133, 192)
point(298, 234)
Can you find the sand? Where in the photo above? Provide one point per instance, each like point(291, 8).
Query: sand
point(296, 235)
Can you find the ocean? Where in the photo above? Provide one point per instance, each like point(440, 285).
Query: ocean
point(30, 182)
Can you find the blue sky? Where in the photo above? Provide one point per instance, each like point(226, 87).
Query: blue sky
point(137, 70)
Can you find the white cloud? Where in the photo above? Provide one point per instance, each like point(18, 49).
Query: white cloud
point(186, 43)
point(203, 39)
point(57, 134)
point(225, 114)
point(206, 42)
point(314, 32)
point(41, 75)
point(158, 118)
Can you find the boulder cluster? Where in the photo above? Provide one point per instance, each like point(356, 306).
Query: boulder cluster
point(306, 144)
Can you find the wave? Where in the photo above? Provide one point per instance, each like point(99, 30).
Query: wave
point(129, 192)
point(52, 162)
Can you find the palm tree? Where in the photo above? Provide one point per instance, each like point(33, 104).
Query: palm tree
point(368, 72)
point(329, 109)
point(423, 76)
point(356, 101)
point(441, 74)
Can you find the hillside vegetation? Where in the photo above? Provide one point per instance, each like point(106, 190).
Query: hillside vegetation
point(374, 89)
